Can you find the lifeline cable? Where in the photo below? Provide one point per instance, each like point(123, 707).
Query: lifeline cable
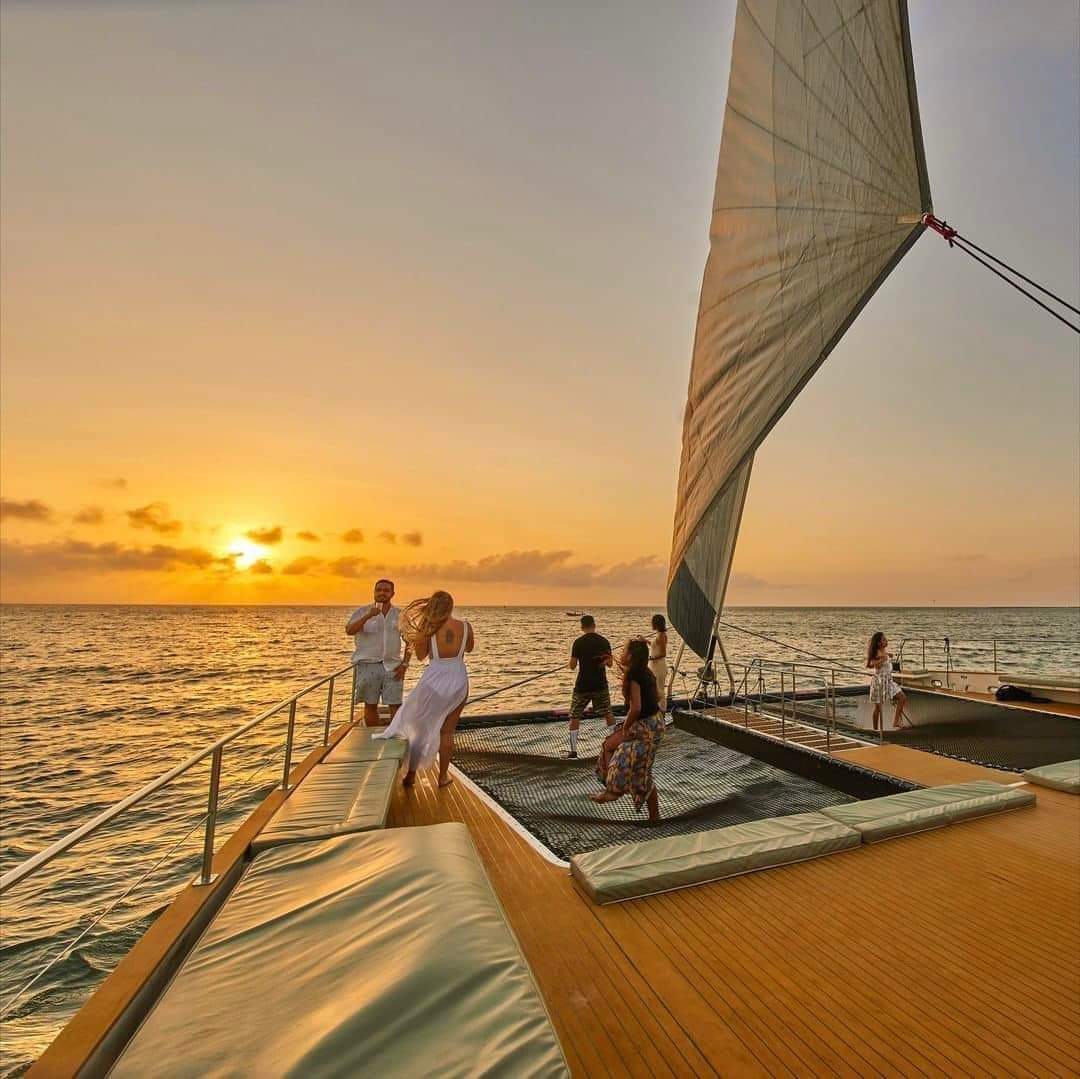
point(795, 648)
point(955, 239)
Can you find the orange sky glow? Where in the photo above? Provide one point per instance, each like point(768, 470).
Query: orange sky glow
point(414, 296)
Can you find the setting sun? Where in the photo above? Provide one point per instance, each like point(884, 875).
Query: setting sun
point(246, 551)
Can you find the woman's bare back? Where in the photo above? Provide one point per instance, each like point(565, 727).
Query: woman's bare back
point(449, 638)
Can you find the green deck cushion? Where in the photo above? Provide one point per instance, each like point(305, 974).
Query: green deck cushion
point(1063, 777)
point(932, 807)
point(333, 799)
point(360, 745)
point(384, 954)
point(632, 870)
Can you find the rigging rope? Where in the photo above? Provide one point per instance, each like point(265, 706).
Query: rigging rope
point(514, 685)
point(838, 664)
point(954, 239)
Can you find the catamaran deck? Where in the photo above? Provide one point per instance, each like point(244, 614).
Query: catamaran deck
point(955, 952)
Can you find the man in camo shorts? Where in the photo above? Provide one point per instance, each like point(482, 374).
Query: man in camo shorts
point(380, 667)
point(591, 656)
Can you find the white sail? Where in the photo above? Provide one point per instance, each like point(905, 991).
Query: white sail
point(820, 189)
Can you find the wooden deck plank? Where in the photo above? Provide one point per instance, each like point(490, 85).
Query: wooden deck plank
point(952, 952)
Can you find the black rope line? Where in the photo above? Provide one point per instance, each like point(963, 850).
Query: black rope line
point(1019, 288)
point(1017, 273)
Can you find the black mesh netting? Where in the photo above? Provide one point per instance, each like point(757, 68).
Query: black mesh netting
point(701, 785)
point(1013, 741)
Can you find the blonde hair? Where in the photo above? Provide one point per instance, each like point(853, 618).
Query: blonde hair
point(423, 618)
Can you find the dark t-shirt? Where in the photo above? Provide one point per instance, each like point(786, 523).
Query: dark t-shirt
point(650, 699)
point(587, 650)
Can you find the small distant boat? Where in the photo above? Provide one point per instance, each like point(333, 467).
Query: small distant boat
point(574, 614)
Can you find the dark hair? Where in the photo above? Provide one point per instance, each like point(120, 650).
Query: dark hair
point(659, 623)
point(384, 580)
point(872, 648)
point(588, 622)
point(637, 663)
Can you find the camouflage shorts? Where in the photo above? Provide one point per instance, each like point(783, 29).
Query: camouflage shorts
point(600, 699)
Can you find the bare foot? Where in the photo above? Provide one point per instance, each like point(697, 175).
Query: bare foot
point(446, 781)
point(602, 796)
point(409, 780)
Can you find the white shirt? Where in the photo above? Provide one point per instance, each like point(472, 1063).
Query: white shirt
point(378, 638)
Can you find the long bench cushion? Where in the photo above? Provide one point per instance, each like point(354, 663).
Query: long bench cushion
point(360, 745)
point(384, 954)
point(1063, 777)
point(632, 870)
point(333, 799)
point(917, 811)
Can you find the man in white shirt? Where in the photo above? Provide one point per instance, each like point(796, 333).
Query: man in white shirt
point(380, 666)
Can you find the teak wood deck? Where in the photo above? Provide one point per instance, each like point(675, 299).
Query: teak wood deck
point(952, 952)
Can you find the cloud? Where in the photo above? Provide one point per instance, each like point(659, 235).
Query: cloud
point(354, 535)
point(300, 566)
point(67, 556)
point(118, 483)
point(29, 510)
point(747, 580)
point(262, 566)
point(154, 516)
point(543, 568)
point(351, 566)
point(266, 536)
point(89, 515)
point(410, 539)
point(310, 537)
point(647, 571)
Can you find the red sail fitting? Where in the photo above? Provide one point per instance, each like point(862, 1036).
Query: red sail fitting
point(942, 228)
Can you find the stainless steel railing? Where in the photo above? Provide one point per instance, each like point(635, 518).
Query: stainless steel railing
point(992, 647)
point(25, 870)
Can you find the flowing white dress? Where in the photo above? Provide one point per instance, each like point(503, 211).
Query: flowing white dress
point(882, 687)
point(442, 687)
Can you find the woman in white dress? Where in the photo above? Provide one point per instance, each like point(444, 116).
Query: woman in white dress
point(658, 658)
point(883, 690)
point(430, 714)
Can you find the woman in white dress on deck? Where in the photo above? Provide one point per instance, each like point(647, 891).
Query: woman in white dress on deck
point(883, 690)
point(430, 714)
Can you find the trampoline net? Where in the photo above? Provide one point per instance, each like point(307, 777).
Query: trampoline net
point(1012, 741)
point(701, 785)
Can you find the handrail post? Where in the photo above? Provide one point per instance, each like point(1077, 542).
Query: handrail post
point(329, 709)
point(207, 875)
point(288, 746)
point(783, 709)
point(352, 697)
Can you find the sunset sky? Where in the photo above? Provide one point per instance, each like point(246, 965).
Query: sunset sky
point(297, 295)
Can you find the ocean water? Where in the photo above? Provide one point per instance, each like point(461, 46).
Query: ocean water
point(96, 701)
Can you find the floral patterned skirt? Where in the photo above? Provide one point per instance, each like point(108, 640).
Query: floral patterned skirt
point(631, 764)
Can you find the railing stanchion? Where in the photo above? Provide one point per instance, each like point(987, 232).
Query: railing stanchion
point(352, 697)
point(329, 709)
point(783, 708)
point(288, 746)
point(207, 875)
